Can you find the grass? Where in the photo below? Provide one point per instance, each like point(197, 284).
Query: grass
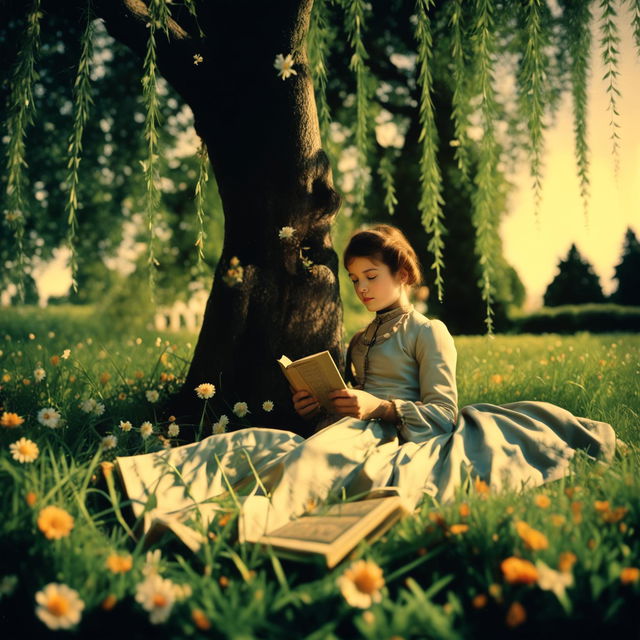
point(441, 580)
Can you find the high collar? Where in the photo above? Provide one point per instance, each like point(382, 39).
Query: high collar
point(384, 316)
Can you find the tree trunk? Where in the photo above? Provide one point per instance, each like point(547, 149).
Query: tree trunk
point(263, 139)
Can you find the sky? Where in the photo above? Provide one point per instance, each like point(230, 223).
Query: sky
point(534, 247)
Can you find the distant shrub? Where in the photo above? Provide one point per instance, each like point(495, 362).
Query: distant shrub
point(597, 318)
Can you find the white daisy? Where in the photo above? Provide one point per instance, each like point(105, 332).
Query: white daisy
point(88, 405)
point(157, 596)
point(224, 420)
point(286, 233)
point(125, 425)
point(240, 409)
point(551, 580)
point(49, 417)
point(39, 374)
point(360, 584)
point(98, 410)
point(205, 390)
point(59, 607)
point(146, 429)
point(267, 405)
point(109, 442)
point(284, 64)
point(24, 450)
point(218, 428)
point(65, 354)
point(173, 430)
point(152, 395)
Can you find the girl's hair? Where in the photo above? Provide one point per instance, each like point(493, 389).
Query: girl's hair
point(386, 244)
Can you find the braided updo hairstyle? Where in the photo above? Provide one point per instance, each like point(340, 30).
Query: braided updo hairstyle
point(384, 243)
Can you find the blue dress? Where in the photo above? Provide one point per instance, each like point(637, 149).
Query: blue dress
point(409, 359)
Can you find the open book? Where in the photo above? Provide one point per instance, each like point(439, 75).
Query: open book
point(316, 373)
point(334, 531)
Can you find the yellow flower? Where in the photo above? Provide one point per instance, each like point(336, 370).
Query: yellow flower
point(542, 501)
point(481, 487)
point(464, 510)
point(284, 66)
point(566, 561)
point(496, 378)
point(457, 529)
point(109, 602)
point(59, 607)
point(518, 571)
point(533, 539)
point(119, 564)
point(360, 584)
point(479, 601)
point(24, 450)
point(11, 420)
point(629, 575)
point(6, 377)
point(614, 515)
point(576, 510)
point(55, 522)
point(557, 519)
point(54, 360)
point(31, 498)
point(601, 505)
point(200, 619)
point(205, 390)
point(105, 377)
point(197, 59)
point(516, 615)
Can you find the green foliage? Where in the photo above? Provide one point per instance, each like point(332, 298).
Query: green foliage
point(575, 282)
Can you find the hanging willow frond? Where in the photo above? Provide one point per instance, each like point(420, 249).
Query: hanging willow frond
point(203, 178)
point(385, 170)
point(354, 24)
point(610, 43)
point(158, 19)
point(21, 115)
point(191, 7)
point(532, 81)
point(635, 22)
point(318, 46)
point(577, 20)
point(460, 98)
point(431, 201)
point(486, 194)
point(82, 100)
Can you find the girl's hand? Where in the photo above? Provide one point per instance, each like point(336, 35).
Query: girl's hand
point(357, 403)
point(305, 405)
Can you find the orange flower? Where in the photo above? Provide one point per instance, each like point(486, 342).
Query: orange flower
point(11, 420)
point(222, 520)
point(122, 396)
point(119, 564)
point(542, 501)
point(139, 374)
point(566, 561)
point(54, 360)
point(6, 377)
point(479, 601)
point(576, 510)
point(496, 378)
point(55, 522)
point(31, 498)
point(105, 376)
point(457, 529)
point(571, 491)
point(109, 602)
point(200, 619)
point(557, 519)
point(481, 486)
point(26, 382)
point(516, 615)
point(601, 505)
point(464, 510)
point(533, 539)
point(495, 591)
point(223, 581)
point(519, 571)
point(438, 519)
point(614, 515)
point(72, 378)
point(107, 468)
point(629, 575)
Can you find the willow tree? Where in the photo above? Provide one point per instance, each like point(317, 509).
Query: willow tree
point(255, 77)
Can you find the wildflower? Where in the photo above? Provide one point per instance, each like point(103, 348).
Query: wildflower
point(481, 486)
point(533, 539)
point(54, 360)
point(457, 529)
point(205, 390)
point(107, 468)
point(105, 376)
point(11, 420)
point(495, 591)
point(146, 429)
point(614, 515)
point(26, 382)
point(90, 405)
point(286, 233)
point(551, 580)
point(240, 409)
point(125, 425)
point(152, 395)
point(601, 505)
point(542, 501)
point(32, 336)
point(479, 601)
point(629, 575)
point(119, 563)
point(571, 491)
point(197, 59)
point(109, 602)
point(65, 354)
point(31, 498)
point(516, 615)
point(566, 561)
point(173, 430)
point(576, 510)
point(200, 619)
point(55, 522)
point(518, 571)
point(464, 510)
point(557, 519)
point(496, 378)
point(152, 563)
point(218, 428)
point(284, 65)
point(360, 584)
point(182, 591)
point(156, 595)
point(267, 405)
point(122, 396)
point(49, 417)
point(59, 606)
point(109, 442)
point(24, 450)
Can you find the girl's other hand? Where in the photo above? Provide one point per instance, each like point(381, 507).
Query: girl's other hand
point(305, 405)
point(357, 403)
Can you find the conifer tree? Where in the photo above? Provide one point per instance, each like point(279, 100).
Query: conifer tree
point(628, 272)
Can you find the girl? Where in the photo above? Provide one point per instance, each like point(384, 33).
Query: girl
point(397, 426)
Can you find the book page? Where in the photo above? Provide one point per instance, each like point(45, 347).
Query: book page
point(319, 375)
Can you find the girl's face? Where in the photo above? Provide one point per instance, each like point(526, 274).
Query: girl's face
point(374, 284)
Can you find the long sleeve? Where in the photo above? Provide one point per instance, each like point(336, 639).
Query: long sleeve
point(438, 409)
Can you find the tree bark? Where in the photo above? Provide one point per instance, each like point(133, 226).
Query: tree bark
point(263, 140)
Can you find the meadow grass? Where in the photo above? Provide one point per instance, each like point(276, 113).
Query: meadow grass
point(443, 567)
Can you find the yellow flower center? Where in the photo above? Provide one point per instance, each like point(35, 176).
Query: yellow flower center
point(57, 605)
point(159, 600)
point(366, 582)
